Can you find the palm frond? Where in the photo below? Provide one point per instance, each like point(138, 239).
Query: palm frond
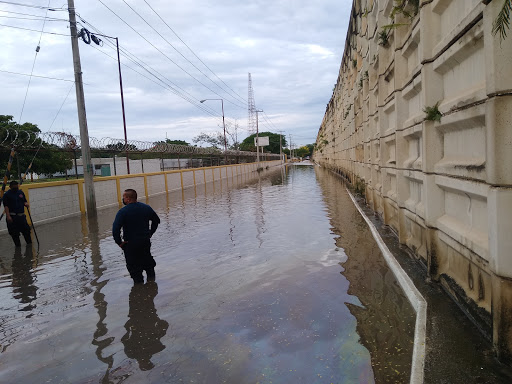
point(502, 22)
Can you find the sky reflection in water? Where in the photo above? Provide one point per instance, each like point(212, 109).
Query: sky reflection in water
point(258, 280)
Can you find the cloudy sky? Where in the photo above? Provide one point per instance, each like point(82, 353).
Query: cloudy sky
point(183, 52)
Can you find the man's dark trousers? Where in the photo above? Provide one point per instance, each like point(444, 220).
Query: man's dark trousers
point(19, 225)
point(138, 258)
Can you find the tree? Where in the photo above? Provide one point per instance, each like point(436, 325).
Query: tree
point(169, 141)
point(302, 151)
point(232, 135)
point(215, 140)
point(273, 138)
point(49, 160)
point(177, 142)
point(120, 147)
point(502, 23)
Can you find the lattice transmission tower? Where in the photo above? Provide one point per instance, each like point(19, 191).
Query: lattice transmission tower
point(251, 122)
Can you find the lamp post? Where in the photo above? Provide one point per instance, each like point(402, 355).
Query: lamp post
point(122, 99)
point(122, 106)
point(257, 138)
point(223, 124)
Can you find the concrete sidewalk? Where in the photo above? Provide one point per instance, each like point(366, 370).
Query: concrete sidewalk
point(457, 352)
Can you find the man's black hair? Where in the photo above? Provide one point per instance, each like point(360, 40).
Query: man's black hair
point(132, 193)
point(14, 182)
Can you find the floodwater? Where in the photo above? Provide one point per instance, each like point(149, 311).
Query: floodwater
point(270, 279)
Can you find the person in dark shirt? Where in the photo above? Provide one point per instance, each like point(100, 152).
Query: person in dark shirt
point(134, 219)
point(14, 207)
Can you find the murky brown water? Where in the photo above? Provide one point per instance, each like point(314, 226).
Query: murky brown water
point(274, 280)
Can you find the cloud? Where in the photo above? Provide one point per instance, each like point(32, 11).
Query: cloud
point(291, 48)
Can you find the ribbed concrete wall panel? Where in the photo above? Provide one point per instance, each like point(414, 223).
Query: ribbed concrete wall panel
point(443, 183)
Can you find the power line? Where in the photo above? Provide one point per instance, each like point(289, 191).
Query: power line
point(265, 116)
point(35, 30)
point(204, 74)
point(33, 65)
point(151, 71)
point(172, 61)
point(161, 84)
point(190, 49)
point(134, 59)
point(55, 118)
point(42, 77)
point(27, 5)
point(35, 18)
point(20, 13)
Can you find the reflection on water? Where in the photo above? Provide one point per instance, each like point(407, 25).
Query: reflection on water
point(23, 282)
point(384, 307)
point(144, 328)
point(100, 337)
point(269, 279)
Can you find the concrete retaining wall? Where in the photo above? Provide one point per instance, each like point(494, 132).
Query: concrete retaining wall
point(444, 186)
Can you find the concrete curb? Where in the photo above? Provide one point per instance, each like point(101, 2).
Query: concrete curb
point(415, 298)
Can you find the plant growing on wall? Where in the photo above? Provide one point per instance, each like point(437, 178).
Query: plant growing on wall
point(354, 63)
point(502, 22)
point(433, 113)
point(407, 8)
point(347, 112)
point(383, 38)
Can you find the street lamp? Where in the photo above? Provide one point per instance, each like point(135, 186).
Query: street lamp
point(122, 96)
point(122, 105)
point(223, 124)
point(257, 138)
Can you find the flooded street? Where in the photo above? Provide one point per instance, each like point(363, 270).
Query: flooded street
point(274, 279)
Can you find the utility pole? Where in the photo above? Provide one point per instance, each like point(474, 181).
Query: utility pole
point(90, 196)
point(257, 138)
point(281, 146)
point(224, 125)
point(291, 153)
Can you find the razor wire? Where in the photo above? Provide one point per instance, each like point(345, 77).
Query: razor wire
point(21, 139)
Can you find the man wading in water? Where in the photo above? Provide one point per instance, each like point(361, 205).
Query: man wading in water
point(14, 207)
point(134, 218)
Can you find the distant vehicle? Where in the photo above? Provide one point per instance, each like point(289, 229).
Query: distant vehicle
point(306, 158)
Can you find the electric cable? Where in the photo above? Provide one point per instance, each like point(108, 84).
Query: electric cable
point(164, 86)
point(41, 77)
point(36, 18)
point(172, 61)
point(265, 116)
point(181, 54)
point(33, 65)
point(35, 30)
point(27, 5)
point(24, 14)
point(190, 49)
point(137, 61)
point(55, 118)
